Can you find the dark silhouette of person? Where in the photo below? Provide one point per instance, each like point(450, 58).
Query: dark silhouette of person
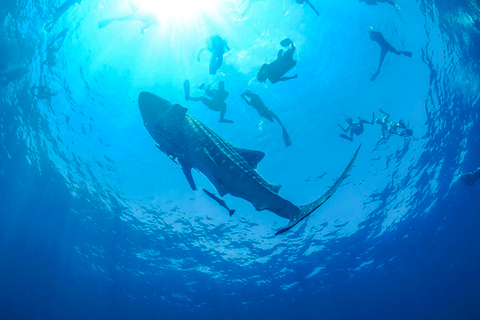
point(148, 18)
point(470, 177)
point(276, 70)
point(309, 3)
point(60, 11)
point(375, 2)
point(386, 47)
point(354, 127)
point(54, 46)
point(7, 77)
point(43, 92)
point(255, 101)
point(216, 45)
point(214, 99)
point(392, 127)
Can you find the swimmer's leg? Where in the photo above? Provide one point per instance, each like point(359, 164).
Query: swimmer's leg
point(222, 114)
point(311, 5)
point(344, 136)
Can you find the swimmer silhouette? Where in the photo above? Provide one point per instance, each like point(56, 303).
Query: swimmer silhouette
point(216, 45)
point(254, 100)
point(274, 71)
point(60, 11)
point(44, 92)
point(375, 2)
point(354, 127)
point(470, 177)
point(216, 101)
point(386, 47)
point(148, 18)
point(392, 127)
point(309, 3)
point(54, 46)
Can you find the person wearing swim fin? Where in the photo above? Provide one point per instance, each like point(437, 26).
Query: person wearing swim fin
point(214, 99)
point(470, 177)
point(148, 18)
point(255, 101)
point(276, 70)
point(385, 47)
point(354, 127)
point(309, 3)
point(392, 127)
point(54, 46)
point(216, 45)
point(375, 2)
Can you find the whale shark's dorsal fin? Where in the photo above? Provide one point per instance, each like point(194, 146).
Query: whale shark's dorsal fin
point(252, 157)
point(178, 110)
point(276, 187)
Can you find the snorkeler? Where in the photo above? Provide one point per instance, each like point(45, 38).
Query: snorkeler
point(354, 127)
point(216, 45)
point(392, 127)
point(375, 2)
point(148, 18)
point(7, 77)
point(274, 71)
point(254, 100)
point(54, 46)
point(386, 47)
point(43, 92)
point(215, 101)
point(60, 11)
point(470, 177)
point(309, 3)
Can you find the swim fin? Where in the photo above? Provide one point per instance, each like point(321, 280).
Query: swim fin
point(285, 42)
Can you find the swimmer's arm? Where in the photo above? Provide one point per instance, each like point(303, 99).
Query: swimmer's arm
point(247, 100)
point(344, 129)
point(384, 113)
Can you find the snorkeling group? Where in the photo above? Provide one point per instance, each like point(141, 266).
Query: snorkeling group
point(386, 125)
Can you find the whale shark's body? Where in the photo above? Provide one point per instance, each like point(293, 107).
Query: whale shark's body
point(230, 169)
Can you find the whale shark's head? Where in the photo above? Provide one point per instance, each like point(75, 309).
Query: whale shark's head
point(158, 111)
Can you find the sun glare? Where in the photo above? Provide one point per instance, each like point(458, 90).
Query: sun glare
point(184, 11)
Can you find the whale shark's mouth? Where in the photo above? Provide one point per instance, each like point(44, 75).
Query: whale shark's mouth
point(180, 11)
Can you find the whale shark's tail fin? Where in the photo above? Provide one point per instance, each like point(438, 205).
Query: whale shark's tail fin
point(306, 210)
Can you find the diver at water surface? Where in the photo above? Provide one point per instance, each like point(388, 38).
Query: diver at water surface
point(392, 127)
point(216, 45)
point(309, 3)
point(148, 18)
point(254, 100)
point(470, 177)
point(54, 46)
point(60, 11)
point(386, 47)
point(375, 2)
point(276, 70)
point(214, 99)
point(354, 127)
point(44, 92)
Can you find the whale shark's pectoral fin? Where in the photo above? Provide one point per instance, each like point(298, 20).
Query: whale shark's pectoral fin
point(187, 170)
point(252, 157)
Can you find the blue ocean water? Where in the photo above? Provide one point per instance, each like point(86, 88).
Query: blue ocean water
point(97, 223)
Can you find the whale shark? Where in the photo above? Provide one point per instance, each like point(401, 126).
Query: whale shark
point(231, 170)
